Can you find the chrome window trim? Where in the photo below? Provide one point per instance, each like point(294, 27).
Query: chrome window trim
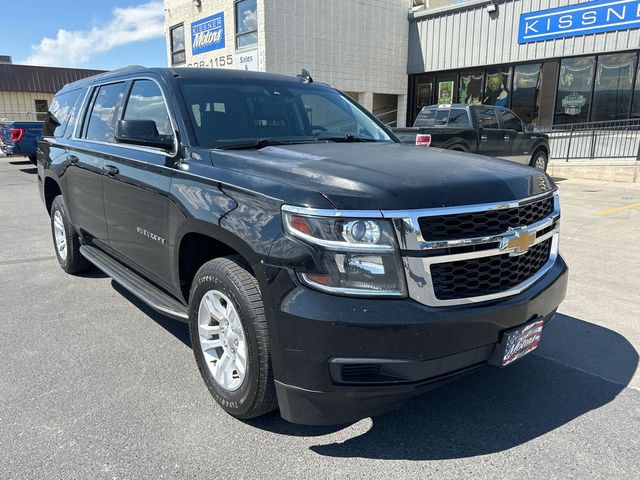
point(157, 151)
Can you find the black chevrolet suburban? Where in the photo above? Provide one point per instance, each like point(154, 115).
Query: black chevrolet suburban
point(482, 129)
point(323, 267)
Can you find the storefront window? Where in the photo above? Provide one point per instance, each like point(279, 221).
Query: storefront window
point(525, 99)
point(613, 84)
point(574, 90)
point(470, 90)
point(424, 94)
point(497, 90)
point(446, 88)
point(635, 106)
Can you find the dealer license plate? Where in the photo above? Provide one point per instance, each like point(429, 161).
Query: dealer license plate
point(521, 341)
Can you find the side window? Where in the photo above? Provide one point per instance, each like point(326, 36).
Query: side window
point(426, 118)
point(510, 121)
point(459, 117)
point(442, 116)
point(102, 121)
point(62, 114)
point(147, 103)
point(487, 117)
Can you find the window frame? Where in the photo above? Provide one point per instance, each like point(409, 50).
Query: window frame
point(242, 34)
point(480, 125)
point(184, 43)
point(90, 107)
point(504, 110)
point(87, 107)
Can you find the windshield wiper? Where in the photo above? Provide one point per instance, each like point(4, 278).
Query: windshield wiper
point(349, 138)
point(266, 142)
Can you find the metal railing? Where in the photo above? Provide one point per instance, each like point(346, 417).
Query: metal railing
point(619, 139)
point(389, 118)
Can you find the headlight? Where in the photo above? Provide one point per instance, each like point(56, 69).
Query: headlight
point(360, 257)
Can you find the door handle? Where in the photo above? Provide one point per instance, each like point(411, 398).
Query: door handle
point(483, 138)
point(111, 170)
point(72, 159)
point(507, 138)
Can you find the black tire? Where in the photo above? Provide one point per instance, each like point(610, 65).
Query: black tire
point(457, 148)
point(33, 159)
point(256, 395)
point(539, 160)
point(73, 262)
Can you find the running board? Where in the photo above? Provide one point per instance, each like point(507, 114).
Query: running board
point(134, 283)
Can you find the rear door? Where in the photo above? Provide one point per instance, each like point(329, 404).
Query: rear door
point(491, 136)
point(86, 157)
point(516, 144)
point(137, 184)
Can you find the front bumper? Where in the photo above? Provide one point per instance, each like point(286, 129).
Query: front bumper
point(415, 347)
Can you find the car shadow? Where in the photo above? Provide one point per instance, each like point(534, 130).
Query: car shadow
point(178, 329)
point(31, 171)
point(21, 162)
point(579, 367)
point(495, 409)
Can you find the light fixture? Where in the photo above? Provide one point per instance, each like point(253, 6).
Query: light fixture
point(492, 7)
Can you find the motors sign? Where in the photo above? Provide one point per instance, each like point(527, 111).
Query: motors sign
point(207, 34)
point(581, 19)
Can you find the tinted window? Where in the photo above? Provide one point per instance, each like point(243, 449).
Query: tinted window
point(574, 89)
point(525, 100)
point(426, 118)
point(147, 103)
point(510, 121)
point(62, 114)
point(459, 117)
point(613, 86)
point(487, 117)
point(231, 114)
point(104, 113)
point(441, 117)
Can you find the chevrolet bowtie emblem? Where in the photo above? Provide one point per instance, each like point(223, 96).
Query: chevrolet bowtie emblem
point(517, 242)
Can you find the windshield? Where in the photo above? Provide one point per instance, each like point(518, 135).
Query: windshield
point(226, 115)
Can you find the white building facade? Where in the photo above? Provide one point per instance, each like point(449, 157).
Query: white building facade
point(357, 46)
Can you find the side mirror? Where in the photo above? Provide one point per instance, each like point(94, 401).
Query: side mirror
point(529, 128)
point(143, 133)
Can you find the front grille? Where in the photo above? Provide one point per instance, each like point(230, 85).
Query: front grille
point(487, 275)
point(481, 224)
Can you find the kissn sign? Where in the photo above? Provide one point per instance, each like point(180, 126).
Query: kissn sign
point(207, 34)
point(581, 19)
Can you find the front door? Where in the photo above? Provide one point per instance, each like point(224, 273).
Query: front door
point(136, 188)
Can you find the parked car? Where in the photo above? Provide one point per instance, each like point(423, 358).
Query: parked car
point(322, 266)
point(21, 138)
point(483, 129)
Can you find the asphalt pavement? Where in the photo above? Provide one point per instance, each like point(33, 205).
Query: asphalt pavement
point(93, 384)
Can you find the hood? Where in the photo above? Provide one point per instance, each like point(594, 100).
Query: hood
point(366, 176)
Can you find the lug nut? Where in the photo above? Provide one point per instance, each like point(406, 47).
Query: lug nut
point(236, 342)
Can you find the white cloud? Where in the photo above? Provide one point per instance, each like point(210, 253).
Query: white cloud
point(75, 48)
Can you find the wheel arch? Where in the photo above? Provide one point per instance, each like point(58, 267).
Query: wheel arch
point(51, 189)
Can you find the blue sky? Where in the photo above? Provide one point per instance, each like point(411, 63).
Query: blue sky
point(100, 34)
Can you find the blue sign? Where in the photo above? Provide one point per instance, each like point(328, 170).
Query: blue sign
point(208, 34)
point(581, 19)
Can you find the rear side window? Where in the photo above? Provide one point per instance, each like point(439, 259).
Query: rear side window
point(510, 121)
point(442, 116)
point(102, 121)
point(147, 103)
point(487, 117)
point(62, 114)
point(459, 117)
point(426, 118)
